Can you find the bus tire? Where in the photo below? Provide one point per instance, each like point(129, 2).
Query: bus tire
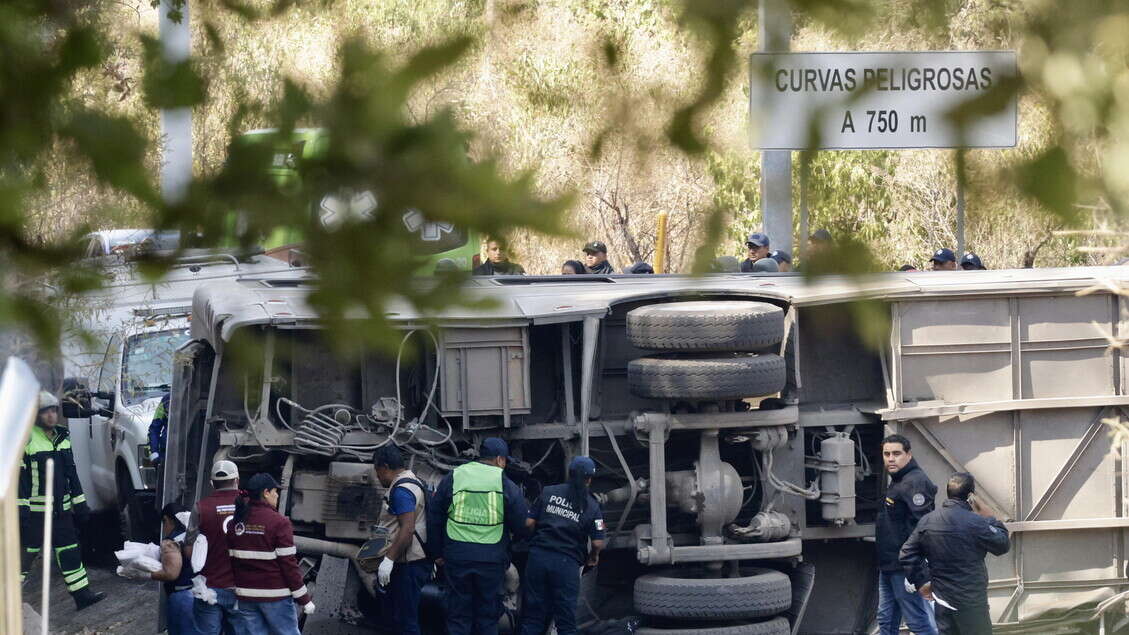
point(688, 593)
point(706, 377)
point(775, 626)
point(737, 326)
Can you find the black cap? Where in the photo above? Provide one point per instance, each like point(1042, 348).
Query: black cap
point(389, 456)
point(595, 246)
point(943, 255)
point(640, 267)
point(971, 261)
point(493, 447)
point(780, 255)
point(262, 481)
point(757, 239)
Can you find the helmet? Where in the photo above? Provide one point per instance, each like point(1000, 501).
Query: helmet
point(47, 400)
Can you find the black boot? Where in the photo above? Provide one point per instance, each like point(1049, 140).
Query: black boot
point(84, 597)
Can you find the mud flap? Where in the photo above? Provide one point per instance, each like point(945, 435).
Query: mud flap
point(803, 579)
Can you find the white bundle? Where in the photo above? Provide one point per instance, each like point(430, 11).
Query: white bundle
point(141, 556)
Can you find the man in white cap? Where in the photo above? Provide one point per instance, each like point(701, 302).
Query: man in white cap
point(211, 518)
point(49, 441)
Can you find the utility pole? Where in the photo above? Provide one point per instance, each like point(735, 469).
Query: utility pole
point(176, 124)
point(776, 165)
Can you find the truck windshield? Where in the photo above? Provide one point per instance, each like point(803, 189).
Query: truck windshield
point(147, 369)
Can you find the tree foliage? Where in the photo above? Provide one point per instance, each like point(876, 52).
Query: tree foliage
point(581, 118)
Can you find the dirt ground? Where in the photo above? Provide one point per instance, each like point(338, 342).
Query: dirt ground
point(130, 607)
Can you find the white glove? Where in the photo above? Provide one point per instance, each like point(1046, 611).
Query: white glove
point(308, 608)
point(153, 456)
point(384, 573)
point(201, 592)
point(134, 574)
point(910, 588)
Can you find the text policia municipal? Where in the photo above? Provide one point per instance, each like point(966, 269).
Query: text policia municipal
point(927, 78)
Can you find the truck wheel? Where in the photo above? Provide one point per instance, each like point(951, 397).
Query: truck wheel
point(702, 377)
point(775, 626)
point(706, 326)
point(132, 516)
point(686, 593)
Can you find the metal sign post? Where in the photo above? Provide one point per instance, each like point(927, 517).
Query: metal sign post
point(176, 124)
point(775, 20)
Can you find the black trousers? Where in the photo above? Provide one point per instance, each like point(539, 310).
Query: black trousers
point(64, 542)
point(973, 620)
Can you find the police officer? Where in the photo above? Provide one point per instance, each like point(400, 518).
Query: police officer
point(943, 260)
point(782, 258)
point(497, 262)
point(50, 441)
point(944, 558)
point(908, 498)
point(596, 258)
point(563, 520)
point(971, 262)
point(759, 247)
point(405, 568)
point(470, 519)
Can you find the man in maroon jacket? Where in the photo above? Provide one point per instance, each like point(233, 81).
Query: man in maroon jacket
point(267, 579)
point(213, 514)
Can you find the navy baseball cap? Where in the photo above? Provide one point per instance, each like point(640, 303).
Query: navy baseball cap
point(595, 246)
point(582, 465)
point(758, 239)
point(389, 456)
point(262, 481)
point(492, 447)
point(971, 261)
point(781, 256)
point(943, 255)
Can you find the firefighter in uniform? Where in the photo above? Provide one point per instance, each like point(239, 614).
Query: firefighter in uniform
point(563, 519)
point(470, 519)
point(50, 441)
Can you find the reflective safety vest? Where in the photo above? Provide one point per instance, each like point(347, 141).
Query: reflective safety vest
point(477, 510)
point(33, 472)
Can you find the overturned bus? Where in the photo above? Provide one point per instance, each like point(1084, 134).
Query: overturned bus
point(735, 420)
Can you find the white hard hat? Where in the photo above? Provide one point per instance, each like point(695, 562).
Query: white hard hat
point(224, 471)
point(47, 400)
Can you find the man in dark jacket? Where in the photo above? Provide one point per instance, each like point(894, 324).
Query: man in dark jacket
point(944, 558)
point(909, 497)
point(469, 522)
point(498, 262)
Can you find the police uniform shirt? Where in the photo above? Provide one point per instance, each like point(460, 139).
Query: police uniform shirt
point(561, 528)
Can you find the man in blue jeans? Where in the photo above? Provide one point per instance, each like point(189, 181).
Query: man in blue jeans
point(908, 497)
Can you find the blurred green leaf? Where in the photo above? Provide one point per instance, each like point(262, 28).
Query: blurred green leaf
point(1051, 180)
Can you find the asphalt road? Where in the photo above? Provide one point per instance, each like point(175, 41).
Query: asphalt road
point(130, 607)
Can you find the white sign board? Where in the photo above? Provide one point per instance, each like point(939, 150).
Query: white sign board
point(862, 101)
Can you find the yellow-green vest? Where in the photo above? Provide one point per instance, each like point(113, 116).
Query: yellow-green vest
point(477, 510)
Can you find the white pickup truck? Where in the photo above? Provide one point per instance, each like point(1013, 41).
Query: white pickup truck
point(117, 360)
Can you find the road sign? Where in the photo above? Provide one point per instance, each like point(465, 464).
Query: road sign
point(862, 101)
